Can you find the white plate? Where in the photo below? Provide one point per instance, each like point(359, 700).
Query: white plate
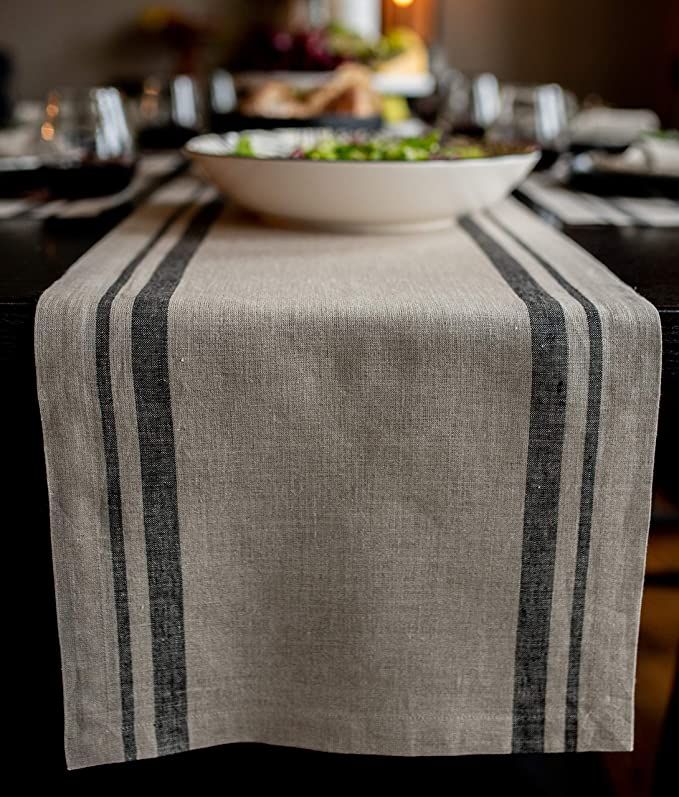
point(419, 84)
point(374, 196)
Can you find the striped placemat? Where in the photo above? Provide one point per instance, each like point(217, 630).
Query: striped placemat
point(367, 494)
point(582, 209)
point(152, 171)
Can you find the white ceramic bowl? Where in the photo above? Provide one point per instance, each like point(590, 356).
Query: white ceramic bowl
point(355, 196)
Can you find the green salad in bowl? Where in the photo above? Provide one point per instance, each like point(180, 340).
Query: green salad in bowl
point(429, 147)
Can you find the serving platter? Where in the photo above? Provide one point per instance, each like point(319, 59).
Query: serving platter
point(353, 196)
point(413, 86)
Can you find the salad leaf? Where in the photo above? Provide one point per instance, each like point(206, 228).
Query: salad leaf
point(418, 148)
point(244, 148)
point(667, 135)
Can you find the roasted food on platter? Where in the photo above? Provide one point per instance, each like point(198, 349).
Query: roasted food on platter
point(347, 92)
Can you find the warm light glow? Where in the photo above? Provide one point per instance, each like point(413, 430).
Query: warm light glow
point(47, 131)
point(403, 3)
point(152, 86)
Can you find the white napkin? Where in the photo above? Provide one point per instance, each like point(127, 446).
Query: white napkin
point(612, 126)
point(652, 155)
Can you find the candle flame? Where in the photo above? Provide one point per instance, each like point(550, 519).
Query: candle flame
point(403, 3)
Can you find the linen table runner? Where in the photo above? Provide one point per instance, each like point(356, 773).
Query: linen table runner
point(578, 208)
point(360, 494)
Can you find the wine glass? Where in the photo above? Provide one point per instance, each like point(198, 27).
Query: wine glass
point(85, 142)
point(222, 92)
point(537, 114)
point(223, 100)
point(169, 112)
point(472, 105)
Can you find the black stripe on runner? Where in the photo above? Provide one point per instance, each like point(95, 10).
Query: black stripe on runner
point(549, 355)
point(150, 369)
point(115, 518)
point(540, 210)
point(591, 445)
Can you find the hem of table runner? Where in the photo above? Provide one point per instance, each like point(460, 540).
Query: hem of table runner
point(300, 742)
point(648, 498)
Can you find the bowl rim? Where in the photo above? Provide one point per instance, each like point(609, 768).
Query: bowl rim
point(528, 154)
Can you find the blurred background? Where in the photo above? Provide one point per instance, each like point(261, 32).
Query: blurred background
point(623, 51)
point(512, 69)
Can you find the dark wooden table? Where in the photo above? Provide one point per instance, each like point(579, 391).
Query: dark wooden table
point(32, 255)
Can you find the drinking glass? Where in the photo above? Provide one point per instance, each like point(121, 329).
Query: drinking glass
point(535, 114)
point(472, 105)
point(222, 92)
point(169, 112)
point(85, 142)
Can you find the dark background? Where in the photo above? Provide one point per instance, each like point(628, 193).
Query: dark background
point(622, 50)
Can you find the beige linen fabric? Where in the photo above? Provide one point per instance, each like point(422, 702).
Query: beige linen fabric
point(372, 495)
point(579, 208)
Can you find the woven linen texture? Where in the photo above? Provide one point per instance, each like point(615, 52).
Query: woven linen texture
point(359, 494)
